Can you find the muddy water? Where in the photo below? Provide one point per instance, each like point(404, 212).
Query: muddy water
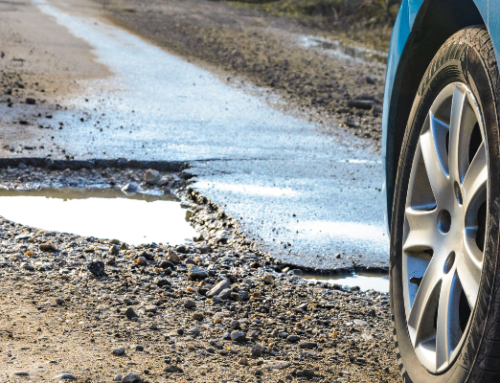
point(101, 213)
point(365, 281)
point(344, 50)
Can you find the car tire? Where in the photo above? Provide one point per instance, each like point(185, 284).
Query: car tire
point(445, 312)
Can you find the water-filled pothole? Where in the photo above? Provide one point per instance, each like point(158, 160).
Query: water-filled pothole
point(102, 213)
point(365, 281)
point(344, 50)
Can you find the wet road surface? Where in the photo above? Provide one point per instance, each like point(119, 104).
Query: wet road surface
point(305, 192)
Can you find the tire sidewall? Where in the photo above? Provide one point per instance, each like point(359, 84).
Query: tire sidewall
point(457, 61)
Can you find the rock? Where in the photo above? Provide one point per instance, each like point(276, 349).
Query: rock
point(120, 351)
point(174, 369)
point(183, 249)
point(21, 373)
point(293, 338)
point(308, 345)
point(152, 176)
point(139, 347)
point(163, 282)
point(65, 376)
point(151, 308)
point(131, 377)
point(30, 101)
point(276, 365)
point(225, 294)
point(257, 351)
point(130, 188)
point(117, 378)
point(235, 325)
point(173, 257)
point(163, 181)
point(130, 313)
point(216, 290)
point(189, 304)
point(370, 80)
point(96, 268)
point(197, 273)
point(361, 104)
point(180, 331)
point(166, 265)
point(268, 279)
point(114, 250)
point(238, 336)
point(198, 316)
point(27, 266)
point(351, 123)
point(194, 331)
point(359, 322)
point(305, 373)
point(243, 362)
point(48, 247)
point(141, 261)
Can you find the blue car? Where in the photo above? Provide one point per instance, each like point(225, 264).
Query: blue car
point(441, 143)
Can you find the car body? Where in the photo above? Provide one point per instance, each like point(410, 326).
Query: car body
point(421, 27)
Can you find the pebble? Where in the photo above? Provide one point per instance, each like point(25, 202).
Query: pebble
point(197, 273)
point(217, 289)
point(48, 247)
point(96, 268)
point(21, 373)
point(117, 378)
point(65, 376)
point(130, 313)
point(238, 336)
point(173, 257)
point(198, 316)
point(152, 176)
point(131, 377)
point(120, 351)
point(189, 304)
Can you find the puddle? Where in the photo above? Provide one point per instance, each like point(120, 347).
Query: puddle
point(344, 50)
point(101, 213)
point(365, 281)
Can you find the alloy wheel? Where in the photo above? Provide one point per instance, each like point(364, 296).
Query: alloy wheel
point(445, 227)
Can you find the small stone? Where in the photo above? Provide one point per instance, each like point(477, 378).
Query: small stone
point(21, 373)
point(257, 351)
point(59, 302)
point(180, 331)
point(120, 351)
point(48, 247)
point(29, 253)
point(27, 266)
point(163, 181)
point(370, 80)
point(130, 188)
point(130, 313)
point(235, 325)
point(243, 362)
point(141, 261)
point(96, 268)
point(139, 348)
point(174, 369)
point(197, 273)
point(194, 331)
point(65, 376)
point(225, 294)
point(114, 250)
point(238, 336)
point(198, 316)
point(131, 377)
point(268, 279)
point(189, 304)
point(173, 257)
point(216, 290)
point(166, 265)
point(308, 345)
point(183, 249)
point(360, 322)
point(163, 282)
point(151, 308)
point(117, 378)
point(30, 101)
point(293, 338)
point(152, 176)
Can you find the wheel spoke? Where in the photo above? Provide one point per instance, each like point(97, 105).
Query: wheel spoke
point(469, 268)
point(455, 146)
point(433, 146)
point(422, 229)
point(448, 326)
point(476, 178)
point(422, 312)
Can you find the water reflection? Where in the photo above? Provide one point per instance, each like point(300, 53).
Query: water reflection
point(365, 281)
point(102, 213)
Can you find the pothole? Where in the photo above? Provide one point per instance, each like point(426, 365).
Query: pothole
point(344, 50)
point(102, 213)
point(365, 281)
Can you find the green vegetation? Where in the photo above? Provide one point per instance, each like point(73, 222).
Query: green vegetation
point(366, 21)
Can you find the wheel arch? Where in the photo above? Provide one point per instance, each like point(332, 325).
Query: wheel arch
point(436, 21)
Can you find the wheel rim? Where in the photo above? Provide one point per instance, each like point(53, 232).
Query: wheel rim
point(445, 227)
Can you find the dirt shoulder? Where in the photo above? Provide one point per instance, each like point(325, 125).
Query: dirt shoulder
point(269, 51)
